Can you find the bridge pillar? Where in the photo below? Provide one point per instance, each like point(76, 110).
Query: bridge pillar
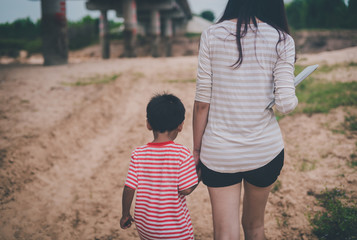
point(130, 27)
point(54, 32)
point(155, 32)
point(168, 36)
point(104, 34)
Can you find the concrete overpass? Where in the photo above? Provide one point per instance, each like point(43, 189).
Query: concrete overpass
point(160, 19)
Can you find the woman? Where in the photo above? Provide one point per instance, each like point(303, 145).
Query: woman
point(246, 60)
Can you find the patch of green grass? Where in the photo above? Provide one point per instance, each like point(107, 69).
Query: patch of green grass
point(321, 69)
point(325, 68)
point(192, 35)
point(318, 97)
point(279, 116)
point(298, 69)
point(338, 131)
point(307, 165)
point(138, 75)
point(277, 186)
point(284, 220)
point(338, 220)
point(350, 122)
point(352, 64)
point(93, 80)
point(353, 162)
point(3, 153)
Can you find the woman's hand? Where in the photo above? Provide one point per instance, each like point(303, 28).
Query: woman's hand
point(196, 156)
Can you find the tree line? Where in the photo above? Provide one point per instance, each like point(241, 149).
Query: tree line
point(325, 14)
point(23, 34)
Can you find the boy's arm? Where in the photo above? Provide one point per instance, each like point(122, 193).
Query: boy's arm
point(188, 190)
point(127, 219)
point(188, 179)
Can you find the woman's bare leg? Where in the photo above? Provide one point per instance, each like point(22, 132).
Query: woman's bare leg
point(254, 202)
point(225, 203)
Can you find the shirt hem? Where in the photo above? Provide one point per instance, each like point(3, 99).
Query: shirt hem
point(236, 170)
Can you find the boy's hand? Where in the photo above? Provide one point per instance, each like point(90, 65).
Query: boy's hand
point(125, 222)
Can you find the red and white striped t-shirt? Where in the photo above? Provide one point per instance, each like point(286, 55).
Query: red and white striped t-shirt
point(158, 171)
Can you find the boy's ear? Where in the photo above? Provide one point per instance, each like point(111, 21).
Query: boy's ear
point(148, 125)
point(180, 127)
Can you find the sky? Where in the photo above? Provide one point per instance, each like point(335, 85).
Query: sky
point(11, 10)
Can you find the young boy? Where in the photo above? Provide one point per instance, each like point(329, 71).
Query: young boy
point(162, 172)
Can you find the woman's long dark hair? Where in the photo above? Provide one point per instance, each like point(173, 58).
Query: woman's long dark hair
point(247, 12)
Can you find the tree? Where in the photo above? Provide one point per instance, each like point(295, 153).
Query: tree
point(296, 13)
point(208, 15)
point(352, 13)
point(317, 14)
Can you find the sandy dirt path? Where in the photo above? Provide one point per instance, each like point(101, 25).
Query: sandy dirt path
point(65, 149)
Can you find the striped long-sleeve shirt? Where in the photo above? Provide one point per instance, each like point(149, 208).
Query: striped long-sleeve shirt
point(241, 133)
point(158, 171)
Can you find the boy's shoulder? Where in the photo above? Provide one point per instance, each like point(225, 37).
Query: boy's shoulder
point(184, 151)
point(170, 147)
point(175, 145)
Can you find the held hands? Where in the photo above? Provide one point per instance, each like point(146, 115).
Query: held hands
point(196, 157)
point(125, 221)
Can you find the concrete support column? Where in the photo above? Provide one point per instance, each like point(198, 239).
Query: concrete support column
point(155, 32)
point(168, 36)
point(104, 34)
point(54, 32)
point(131, 25)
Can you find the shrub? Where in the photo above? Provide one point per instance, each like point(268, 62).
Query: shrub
point(338, 220)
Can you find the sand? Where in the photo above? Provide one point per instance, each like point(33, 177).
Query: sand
point(65, 150)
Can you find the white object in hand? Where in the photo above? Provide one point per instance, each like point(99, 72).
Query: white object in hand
point(299, 78)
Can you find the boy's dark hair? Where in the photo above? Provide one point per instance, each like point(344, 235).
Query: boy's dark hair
point(165, 112)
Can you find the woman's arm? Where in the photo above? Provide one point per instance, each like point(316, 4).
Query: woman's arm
point(200, 118)
point(203, 96)
point(285, 98)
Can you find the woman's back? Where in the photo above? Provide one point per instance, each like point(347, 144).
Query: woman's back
point(238, 119)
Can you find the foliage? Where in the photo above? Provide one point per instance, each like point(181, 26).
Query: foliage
point(353, 162)
point(208, 15)
point(93, 80)
point(276, 187)
point(307, 165)
point(338, 220)
point(322, 14)
point(22, 28)
point(83, 33)
point(316, 96)
point(23, 34)
point(351, 122)
point(322, 97)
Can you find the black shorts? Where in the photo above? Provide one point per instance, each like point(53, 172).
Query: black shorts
point(260, 177)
